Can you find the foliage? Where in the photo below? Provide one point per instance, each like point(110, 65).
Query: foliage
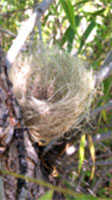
point(80, 26)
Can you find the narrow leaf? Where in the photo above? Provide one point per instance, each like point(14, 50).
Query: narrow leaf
point(81, 152)
point(66, 35)
point(86, 34)
point(71, 34)
point(69, 11)
point(92, 152)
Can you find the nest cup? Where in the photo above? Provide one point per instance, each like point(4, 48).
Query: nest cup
point(53, 89)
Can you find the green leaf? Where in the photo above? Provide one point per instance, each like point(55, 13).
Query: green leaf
point(104, 115)
point(85, 197)
point(65, 36)
point(107, 88)
point(54, 9)
point(106, 97)
point(86, 34)
point(68, 37)
point(69, 11)
point(81, 152)
point(47, 196)
point(97, 13)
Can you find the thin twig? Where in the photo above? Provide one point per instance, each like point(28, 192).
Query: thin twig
point(101, 163)
point(104, 155)
point(39, 30)
point(38, 24)
point(81, 178)
point(101, 137)
point(96, 111)
point(10, 13)
point(25, 30)
point(99, 181)
point(7, 32)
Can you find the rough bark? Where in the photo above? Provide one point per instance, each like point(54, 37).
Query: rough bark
point(17, 152)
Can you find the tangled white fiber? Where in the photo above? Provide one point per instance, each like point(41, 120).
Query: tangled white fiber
point(53, 89)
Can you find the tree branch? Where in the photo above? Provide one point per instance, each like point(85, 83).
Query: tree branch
point(101, 163)
point(101, 137)
point(104, 73)
point(105, 69)
point(107, 60)
point(25, 30)
point(96, 111)
point(7, 32)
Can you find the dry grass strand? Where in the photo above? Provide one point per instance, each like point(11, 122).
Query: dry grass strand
point(53, 89)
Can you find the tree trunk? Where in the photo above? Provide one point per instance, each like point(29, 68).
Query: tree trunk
point(17, 152)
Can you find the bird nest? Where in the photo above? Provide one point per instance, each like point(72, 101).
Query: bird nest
point(53, 89)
